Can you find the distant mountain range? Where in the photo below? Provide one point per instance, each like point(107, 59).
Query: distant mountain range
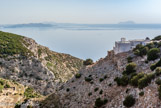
point(72, 26)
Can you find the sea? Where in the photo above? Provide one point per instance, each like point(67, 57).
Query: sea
point(85, 41)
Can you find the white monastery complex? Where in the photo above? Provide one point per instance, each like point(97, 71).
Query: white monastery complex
point(124, 46)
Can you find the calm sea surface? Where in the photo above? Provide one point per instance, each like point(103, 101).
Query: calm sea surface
point(82, 43)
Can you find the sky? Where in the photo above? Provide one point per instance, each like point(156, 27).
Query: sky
point(80, 11)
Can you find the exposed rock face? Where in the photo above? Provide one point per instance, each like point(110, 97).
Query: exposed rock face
point(42, 69)
point(78, 93)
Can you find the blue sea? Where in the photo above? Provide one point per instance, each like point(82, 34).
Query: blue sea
point(86, 41)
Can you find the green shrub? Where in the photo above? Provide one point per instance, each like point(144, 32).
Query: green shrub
point(89, 94)
point(67, 89)
point(144, 81)
point(101, 79)
point(78, 75)
point(157, 37)
point(39, 52)
point(101, 91)
point(144, 51)
point(96, 89)
point(7, 85)
point(17, 105)
point(129, 59)
point(159, 45)
point(30, 93)
point(105, 76)
point(88, 79)
point(129, 101)
point(158, 81)
point(137, 52)
point(29, 106)
point(2, 81)
point(152, 67)
point(123, 81)
point(130, 68)
point(135, 79)
point(99, 103)
point(158, 63)
point(1, 87)
point(141, 93)
point(158, 71)
point(139, 46)
point(141, 50)
point(153, 54)
point(88, 62)
point(150, 45)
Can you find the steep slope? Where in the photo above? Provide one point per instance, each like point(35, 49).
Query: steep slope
point(96, 85)
point(25, 61)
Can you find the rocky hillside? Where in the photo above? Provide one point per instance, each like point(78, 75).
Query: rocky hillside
point(25, 61)
point(129, 79)
point(12, 94)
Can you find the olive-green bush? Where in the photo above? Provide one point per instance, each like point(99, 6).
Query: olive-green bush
point(129, 101)
point(153, 54)
point(88, 62)
point(130, 68)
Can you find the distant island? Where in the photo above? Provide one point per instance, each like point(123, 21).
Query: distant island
point(127, 22)
point(28, 25)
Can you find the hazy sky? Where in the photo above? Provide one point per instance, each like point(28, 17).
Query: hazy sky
point(80, 11)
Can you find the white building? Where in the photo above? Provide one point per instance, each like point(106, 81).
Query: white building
point(125, 46)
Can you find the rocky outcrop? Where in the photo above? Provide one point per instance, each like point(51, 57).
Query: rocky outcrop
point(37, 67)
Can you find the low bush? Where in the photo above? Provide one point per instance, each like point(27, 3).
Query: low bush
point(101, 79)
point(141, 93)
point(158, 81)
point(140, 50)
point(96, 89)
point(2, 81)
point(150, 45)
point(158, 71)
point(123, 81)
point(99, 103)
point(89, 94)
point(105, 76)
point(157, 37)
point(101, 91)
point(88, 79)
point(135, 79)
point(129, 59)
point(144, 81)
point(153, 54)
point(154, 66)
point(130, 68)
point(129, 101)
point(1, 87)
point(88, 62)
point(78, 75)
point(67, 89)
point(7, 85)
point(29, 93)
